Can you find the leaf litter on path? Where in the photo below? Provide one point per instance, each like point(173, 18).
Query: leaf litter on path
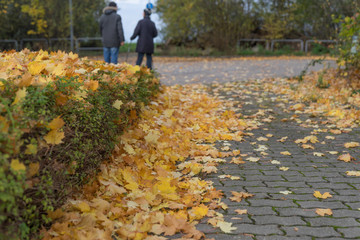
point(143, 192)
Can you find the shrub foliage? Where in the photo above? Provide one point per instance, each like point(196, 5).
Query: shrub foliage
point(59, 118)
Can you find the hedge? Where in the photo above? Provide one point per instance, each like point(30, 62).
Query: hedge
point(59, 118)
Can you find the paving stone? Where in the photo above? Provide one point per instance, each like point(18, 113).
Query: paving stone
point(350, 232)
point(283, 221)
point(331, 186)
point(296, 212)
point(310, 231)
point(271, 203)
point(244, 183)
point(292, 196)
point(277, 237)
point(331, 221)
point(354, 205)
point(227, 237)
point(257, 229)
point(346, 213)
point(265, 189)
point(321, 204)
point(286, 184)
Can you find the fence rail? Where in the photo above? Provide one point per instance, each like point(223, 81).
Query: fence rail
point(49, 44)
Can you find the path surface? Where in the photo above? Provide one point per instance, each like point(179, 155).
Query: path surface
point(222, 71)
point(283, 206)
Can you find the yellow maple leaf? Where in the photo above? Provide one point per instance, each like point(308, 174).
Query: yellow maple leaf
point(54, 137)
point(20, 95)
point(345, 157)
point(286, 153)
point(198, 212)
point(36, 67)
point(352, 144)
point(59, 70)
point(325, 195)
point(56, 123)
point(81, 206)
point(152, 137)
point(17, 166)
point(323, 212)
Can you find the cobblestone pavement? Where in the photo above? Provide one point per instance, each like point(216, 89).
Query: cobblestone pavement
point(284, 205)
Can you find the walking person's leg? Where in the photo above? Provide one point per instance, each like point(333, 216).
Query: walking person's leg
point(140, 58)
point(149, 61)
point(107, 54)
point(114, 55)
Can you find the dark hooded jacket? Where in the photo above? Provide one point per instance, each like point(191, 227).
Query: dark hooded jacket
point(146, 31)
point(111, 29)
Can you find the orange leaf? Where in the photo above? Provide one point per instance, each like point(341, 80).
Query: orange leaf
point(345, 157)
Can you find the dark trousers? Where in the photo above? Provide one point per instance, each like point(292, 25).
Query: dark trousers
point(148, 59)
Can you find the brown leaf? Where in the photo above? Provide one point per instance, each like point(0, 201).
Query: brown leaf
point(239, 196)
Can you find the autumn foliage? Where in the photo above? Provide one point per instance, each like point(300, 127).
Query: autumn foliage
point(59, 118)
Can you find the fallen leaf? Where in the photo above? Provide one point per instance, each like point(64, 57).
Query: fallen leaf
point(353, 173)
point(285, 192)
point(352, 144)
point(239, 196)
point(335, 131)
point(262, 139)
point(323, 212)
point(283, 139)
point(345, 157)
point(325, 195)
point(225, 226)
point(318, 154)
point(283, 169)
point(17, 166)
point(241, 211)
point(275, 162)
point(330, 137)
point(307, 146)
point(269, 135)
point(56, 123)
point(253, 159)
point(54, 137)
point(117, 104)
point(333, 152)
point(286, 153)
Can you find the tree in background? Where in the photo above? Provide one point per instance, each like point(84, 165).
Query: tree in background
point(205, 23)
point(220, 23)
point(50, 18)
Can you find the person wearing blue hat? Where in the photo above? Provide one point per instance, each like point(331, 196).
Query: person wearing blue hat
point(112, 33)
point(146, 31)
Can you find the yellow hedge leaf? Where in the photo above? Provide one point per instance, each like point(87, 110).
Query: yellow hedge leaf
point(33, 169)
point(17, 166)
point(20, 94)
point(54, 137)
point(31, 149)
point(56, 123)
point(36, 67)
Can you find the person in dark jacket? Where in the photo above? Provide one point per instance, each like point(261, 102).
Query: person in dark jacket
point(111, 32)
point(146, 30)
